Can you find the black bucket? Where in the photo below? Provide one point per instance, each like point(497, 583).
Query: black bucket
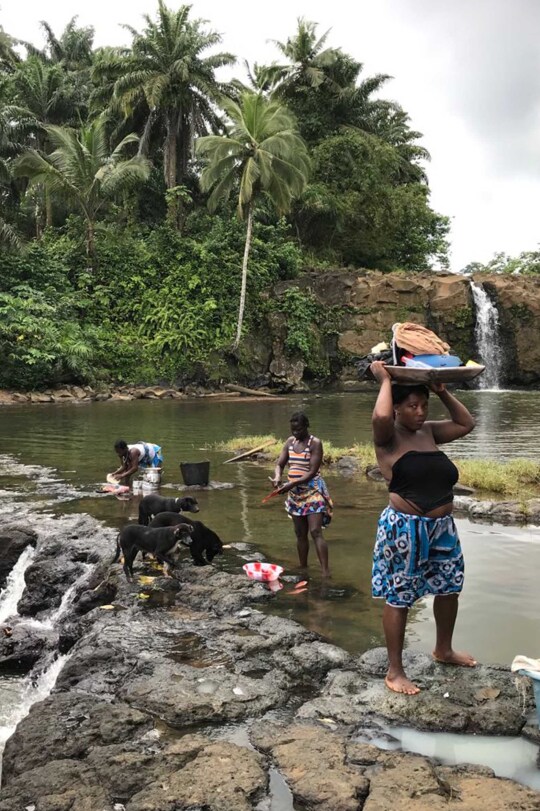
point(195, 473)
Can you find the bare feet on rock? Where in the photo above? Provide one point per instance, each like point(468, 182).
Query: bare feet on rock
point(454, 657)
point(401, 684)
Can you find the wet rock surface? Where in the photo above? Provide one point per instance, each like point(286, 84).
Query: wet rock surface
point(181, 694)
point(454, 699)
point(13, 542)
point(21, 645)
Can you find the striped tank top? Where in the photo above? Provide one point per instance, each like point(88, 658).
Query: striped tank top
point(299, 461)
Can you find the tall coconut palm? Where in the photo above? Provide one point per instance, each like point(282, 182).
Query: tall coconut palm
point(83, 169)
point(323, 86)
point(168, 73)
point(40, 92)
point(307, 55)
point(260, 154)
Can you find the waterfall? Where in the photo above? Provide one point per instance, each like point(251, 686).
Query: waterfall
point(12, 593)
point(33, 689)
point(486, 333)
point(67, 598)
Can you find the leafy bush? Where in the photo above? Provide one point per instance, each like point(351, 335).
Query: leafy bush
point(41, 342)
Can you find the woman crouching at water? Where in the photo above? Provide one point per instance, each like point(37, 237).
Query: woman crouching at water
point(308, 502)
point(417, 551)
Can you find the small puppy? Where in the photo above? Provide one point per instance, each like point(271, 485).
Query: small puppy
point(203, 539)
point(153, 504)
point(161, 542)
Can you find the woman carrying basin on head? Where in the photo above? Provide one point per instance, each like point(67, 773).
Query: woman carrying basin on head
point(417, 550)
point(308, 501)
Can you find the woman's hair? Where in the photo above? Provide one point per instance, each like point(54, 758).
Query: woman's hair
point(301, 418)
point(400, 393)
point(120, 445)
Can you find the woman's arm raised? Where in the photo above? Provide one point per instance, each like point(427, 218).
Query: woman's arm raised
point(382, 420)
point(461, 420)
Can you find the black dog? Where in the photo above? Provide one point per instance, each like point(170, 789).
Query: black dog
point(203, 539)
point(161, 542)
point(153, 504)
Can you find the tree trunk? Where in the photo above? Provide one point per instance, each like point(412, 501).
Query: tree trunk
point(170, 156)
point(244, 277)
point(91, 243)
point(48, 209)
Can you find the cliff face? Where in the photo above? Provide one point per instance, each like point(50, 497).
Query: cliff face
point(356, 310)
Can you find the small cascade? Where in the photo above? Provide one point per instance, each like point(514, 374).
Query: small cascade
point(486, 333)
point(15, 584)
point(33, 688)
point(67, 599)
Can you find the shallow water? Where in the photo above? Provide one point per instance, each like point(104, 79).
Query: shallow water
point(508, 757)
point(60, 454)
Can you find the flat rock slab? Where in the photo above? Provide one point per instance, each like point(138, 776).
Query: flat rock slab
point(455, 699)
point(67, 725)
point(413, 783)
point(327, 772)
point(314, 764)
point(221, 777)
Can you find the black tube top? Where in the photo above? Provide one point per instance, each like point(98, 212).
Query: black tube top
point(425, 478)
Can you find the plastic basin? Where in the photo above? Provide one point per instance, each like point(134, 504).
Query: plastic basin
point(262, 571)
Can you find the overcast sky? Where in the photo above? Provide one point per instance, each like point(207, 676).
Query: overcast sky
point(467, 71)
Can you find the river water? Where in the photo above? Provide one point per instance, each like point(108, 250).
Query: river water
point(56, 457)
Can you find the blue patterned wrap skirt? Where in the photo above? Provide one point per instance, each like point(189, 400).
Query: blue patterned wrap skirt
point(415, 556)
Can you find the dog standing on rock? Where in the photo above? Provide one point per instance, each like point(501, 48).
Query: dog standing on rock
point(153, 504)
point(203, 539)
point(160, 542)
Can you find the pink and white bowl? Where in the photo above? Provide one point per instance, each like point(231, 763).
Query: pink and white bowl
point(262, 571)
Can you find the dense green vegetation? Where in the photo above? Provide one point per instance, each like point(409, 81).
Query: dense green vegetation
point(146, 202)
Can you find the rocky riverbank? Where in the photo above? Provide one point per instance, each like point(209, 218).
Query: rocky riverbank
point(182, 694)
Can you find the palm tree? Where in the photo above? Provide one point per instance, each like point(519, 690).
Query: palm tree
point(8, 235)
point(14, 128)
point(307, 56)
point(72, 49)
point(390, 123)
point(41, 93)
point(168, 74)
point(322, 85)
point(82, 168)
point(261, 154)
point(40, 89)
point(8, 57)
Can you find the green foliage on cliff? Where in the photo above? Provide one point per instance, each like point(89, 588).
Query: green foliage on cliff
point(157, 304)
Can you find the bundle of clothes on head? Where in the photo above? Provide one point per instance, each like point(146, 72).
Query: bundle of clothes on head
point(413, 346)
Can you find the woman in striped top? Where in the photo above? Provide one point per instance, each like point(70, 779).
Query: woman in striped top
point(308, 501)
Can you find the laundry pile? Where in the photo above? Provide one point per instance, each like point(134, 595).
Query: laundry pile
point(413, 346)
